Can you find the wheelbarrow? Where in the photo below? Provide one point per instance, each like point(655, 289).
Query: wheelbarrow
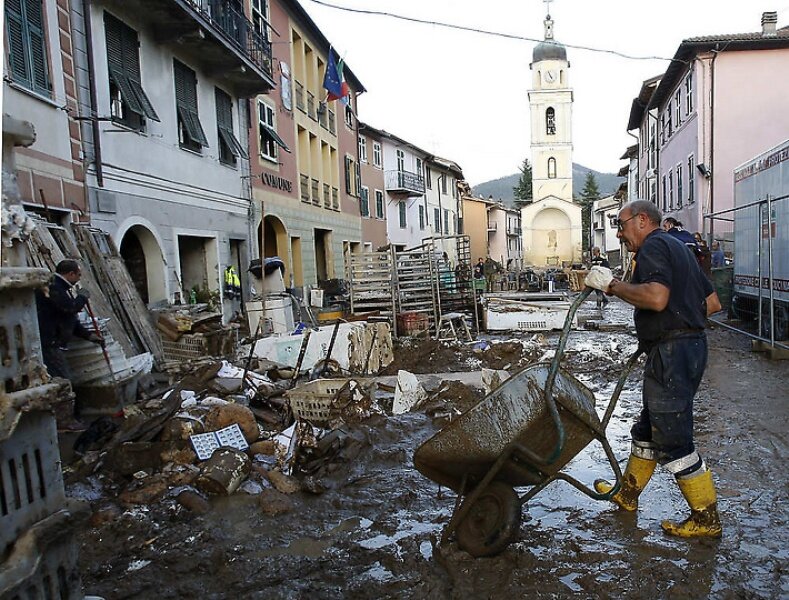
point(520, 435)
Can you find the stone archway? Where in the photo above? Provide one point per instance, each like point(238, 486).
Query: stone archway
point(144, 259)
point(275, 241)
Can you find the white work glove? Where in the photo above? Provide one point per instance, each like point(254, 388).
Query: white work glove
point(599, 278)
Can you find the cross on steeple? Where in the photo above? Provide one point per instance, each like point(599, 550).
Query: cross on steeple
point(548, 21)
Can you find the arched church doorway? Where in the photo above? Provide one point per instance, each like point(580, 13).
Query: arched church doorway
point(143, 258)
point(552, 236)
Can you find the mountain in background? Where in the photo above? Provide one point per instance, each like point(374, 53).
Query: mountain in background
point(501, 188)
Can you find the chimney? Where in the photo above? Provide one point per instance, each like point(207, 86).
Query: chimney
point(769, 23)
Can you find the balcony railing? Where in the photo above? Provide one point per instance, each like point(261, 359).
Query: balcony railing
point(332, 122)
point(316, 194)
point(304, 187)
point(326, 195)
point(404, 181)
point(335, 198)
point(311, 106)
point(232, 25)
point(300, 98)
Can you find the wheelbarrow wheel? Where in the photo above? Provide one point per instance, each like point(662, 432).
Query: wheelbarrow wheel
point(492, 522)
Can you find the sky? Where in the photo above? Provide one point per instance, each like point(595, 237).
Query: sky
point(464, 96)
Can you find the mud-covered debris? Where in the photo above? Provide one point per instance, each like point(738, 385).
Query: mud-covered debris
point(223, 472)
point(273, 502)
point(493, 378)
point(267, 447)
point(225, 415)
point(193, 502)
point(284, 483)
point(145, 491)
point(103, 515)
point(409, 393)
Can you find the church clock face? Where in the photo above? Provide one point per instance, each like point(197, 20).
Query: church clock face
point(550, 76)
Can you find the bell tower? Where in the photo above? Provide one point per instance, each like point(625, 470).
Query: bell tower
point(551, 106)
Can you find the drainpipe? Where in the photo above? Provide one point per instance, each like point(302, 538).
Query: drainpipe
point(716, 51)
point(94, 119)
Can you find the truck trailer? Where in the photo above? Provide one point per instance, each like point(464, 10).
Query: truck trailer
point(761, 241)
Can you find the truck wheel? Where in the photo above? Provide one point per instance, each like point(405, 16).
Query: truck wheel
point(780, 322)
point(492, 523)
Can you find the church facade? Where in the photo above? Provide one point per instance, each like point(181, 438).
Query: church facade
point(552, 221)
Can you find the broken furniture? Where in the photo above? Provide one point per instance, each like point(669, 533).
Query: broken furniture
point(450, 324)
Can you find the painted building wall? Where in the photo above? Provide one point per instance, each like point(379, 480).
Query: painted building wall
point(373, 225)
point(50, 171)
point(166, 196)
point(414, 232)
point(475, 225)
point(497, 233)
point(552, 232)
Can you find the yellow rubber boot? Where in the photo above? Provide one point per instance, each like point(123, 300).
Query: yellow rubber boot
point(635, 478)
point(699, 491)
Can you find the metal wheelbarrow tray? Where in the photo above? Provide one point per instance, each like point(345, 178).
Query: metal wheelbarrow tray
point(522, 434)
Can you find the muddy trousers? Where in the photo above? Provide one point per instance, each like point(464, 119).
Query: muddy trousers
point(672, 374)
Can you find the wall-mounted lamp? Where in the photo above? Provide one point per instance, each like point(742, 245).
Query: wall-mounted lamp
point(704, 170)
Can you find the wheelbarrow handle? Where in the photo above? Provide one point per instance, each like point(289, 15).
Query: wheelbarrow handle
point(554, 370)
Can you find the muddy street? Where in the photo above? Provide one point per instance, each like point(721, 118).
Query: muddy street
point(373, 532)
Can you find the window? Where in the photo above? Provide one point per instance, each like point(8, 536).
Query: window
point(190, 132)
point(284, 87)
point(678, 108)
point(679, 186)
point(552, 168)
point(260, 18)
point(377, 154)
point(421, 217)
point(349, 173)
point(349, 115)
point(362, 149)
point(401, 210)
point(428, 178)
point(267, 133)
point(379, 204)
point(27, 50)
point(419, 167)
point(670, 190)
point(662, 128)
point(446, 222)
point(229, 147)
point(128, 103)
point(691, 179)
point(669, 126)
point(550, 121)
point(437, 220)
point(443, 183)
point(400, 161)
point(689, 94)
point(364, 202)
point(663, 189)
point(453, 187)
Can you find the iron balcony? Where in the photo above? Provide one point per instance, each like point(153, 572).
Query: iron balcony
point(217, 36)
point(405, 182)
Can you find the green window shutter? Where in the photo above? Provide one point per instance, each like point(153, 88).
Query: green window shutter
point(123, 61)
point(186, 101)
point(37, 41)
point(348, 175)
point(17, 47)
point(224, 120)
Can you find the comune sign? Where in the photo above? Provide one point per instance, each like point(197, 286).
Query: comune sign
point(276, 182)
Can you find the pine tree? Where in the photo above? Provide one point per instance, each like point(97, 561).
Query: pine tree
point(523, 191)
point(589, 194)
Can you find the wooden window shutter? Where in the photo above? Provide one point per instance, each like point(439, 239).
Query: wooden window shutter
point(186, 102)
point(37, 41)
point(224, 121)
point(17, 46)
point(348, 175)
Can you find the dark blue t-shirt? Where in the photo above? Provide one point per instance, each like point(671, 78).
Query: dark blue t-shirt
point(666, 260)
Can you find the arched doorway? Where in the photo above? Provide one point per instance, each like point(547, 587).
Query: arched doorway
point(552, 236)
point(143, 258)
point(275, 242)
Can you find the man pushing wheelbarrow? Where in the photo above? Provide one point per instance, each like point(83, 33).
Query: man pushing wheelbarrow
point(523, 433)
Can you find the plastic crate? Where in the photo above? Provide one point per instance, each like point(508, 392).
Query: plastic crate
point(188, 347)
point(31, 482)
point(21, 366)
point(412, 323)
point(312, 401)
point(44, 564)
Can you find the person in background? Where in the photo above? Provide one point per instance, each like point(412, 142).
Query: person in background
point(672, 300)
point(674, 227)
point(600, 261)
point(479, 269)
point(704, 255)
point(718, 259)
point(58, 307)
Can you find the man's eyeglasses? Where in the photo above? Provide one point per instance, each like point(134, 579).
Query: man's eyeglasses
point(619, 224)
